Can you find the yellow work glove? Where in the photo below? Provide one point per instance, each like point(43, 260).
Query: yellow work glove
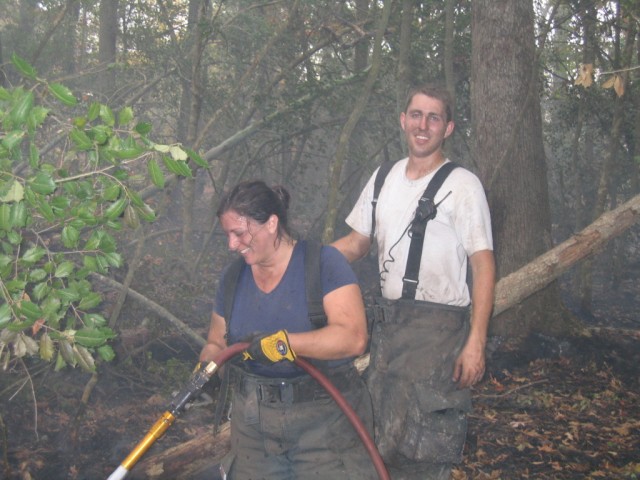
point(270, 348)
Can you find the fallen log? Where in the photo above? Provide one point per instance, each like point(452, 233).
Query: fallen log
point(196, 458)
point(539, 273)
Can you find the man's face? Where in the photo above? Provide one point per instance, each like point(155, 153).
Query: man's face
point(425, 125)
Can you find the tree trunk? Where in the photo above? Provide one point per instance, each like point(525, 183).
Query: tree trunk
point(507, 123)
point(191, 109)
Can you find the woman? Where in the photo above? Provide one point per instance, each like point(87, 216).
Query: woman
point(284, 425)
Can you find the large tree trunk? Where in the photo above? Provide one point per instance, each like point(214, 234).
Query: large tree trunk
point(192, 457)
point(508, 131)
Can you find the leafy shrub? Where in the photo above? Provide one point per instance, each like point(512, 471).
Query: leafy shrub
point(68, 180)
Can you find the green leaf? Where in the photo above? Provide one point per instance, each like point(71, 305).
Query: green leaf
point(94, 240)
point(37, 116)
point(5, 314)
point(197, 158)
point(23, 66)
point(34, 156)
point(111, 191)
point(90, 301)
point(131, 218)
point(93, 337)
point(125, 116)
point(14, 237)
point(70, 236)
point(33, 254)
point(135, 199)
point(29, 310)
point(68, 295)
point(22, 108)
point(94, 111)
point(129, 152)
point(116, 208)
point(106, 114)
point(114, 259)
point(80, 139)
point(63, 94)
point(41, 289)
point(102, 263)
point(94, 320)
point(64, 269)
point(37, 275)
point(143, 128)
point(177, 167)
point(146, 213)
point(5, 216)
point(12, 139)
point(106, 353)
point(89, 263)
point(101, 134)
point(14, 194)
point(45, 209)
point(18, 215)
point(157, 177)
point(42, 183)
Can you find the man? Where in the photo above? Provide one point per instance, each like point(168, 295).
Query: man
point(425, 353)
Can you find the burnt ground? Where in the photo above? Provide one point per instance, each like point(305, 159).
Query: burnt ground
point(547, 408)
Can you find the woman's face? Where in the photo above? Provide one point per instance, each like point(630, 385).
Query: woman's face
point(253, 240)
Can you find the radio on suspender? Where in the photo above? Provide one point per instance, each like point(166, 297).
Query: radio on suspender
point(425, 211)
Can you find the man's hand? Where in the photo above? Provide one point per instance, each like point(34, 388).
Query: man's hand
point(470, 365)
point(270, 348)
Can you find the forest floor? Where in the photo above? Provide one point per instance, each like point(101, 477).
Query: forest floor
point(548, 409)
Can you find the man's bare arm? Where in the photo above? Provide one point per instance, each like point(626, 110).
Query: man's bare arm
point(353, 246)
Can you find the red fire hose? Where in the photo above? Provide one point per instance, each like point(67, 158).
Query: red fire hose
point(203, 375)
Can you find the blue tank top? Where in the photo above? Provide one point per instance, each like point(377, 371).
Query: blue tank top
point(285, 307)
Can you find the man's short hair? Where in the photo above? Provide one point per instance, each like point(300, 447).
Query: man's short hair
point(434, 91)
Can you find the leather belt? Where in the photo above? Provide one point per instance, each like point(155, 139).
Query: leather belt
point(301, 389)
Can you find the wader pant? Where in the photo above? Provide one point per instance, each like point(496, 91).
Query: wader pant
point(419, 414)
point(290, 429)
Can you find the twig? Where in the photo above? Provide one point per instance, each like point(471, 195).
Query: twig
point(33, 394)
point(513, 390)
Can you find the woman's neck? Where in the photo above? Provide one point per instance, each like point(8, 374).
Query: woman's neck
point(268, 274)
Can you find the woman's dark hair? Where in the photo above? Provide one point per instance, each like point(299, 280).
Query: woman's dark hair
point(255, 200)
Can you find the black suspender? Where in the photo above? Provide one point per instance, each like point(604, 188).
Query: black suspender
point(383, 171)
point(425, 211)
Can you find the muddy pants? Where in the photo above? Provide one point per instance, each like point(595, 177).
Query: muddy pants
point(288, 429)
point(419, 414)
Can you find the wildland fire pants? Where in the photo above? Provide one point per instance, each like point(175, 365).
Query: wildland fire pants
point(419, 413)
point(289, 429)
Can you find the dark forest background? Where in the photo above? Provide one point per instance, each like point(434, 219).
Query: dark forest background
point(122, 122)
